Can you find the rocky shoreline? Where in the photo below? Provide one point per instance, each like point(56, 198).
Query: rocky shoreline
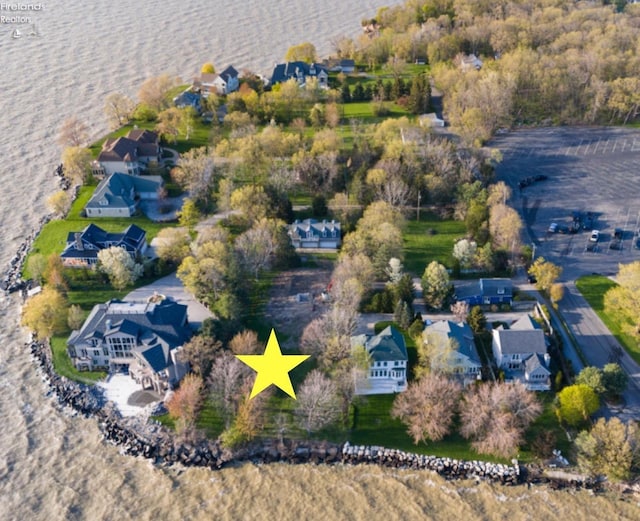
point(154, 442)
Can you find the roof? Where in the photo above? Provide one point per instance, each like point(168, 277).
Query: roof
point(297, 69)
point(187, 99)
point(458, 331)
point(302, 228)
point(156, 356)
point(142, 135)
point(534, 362)
point(116, 190)
point(119, 149)
point(520, 341)
point(524, 323)
point(92, 239)
point(496, 287)
point(229, 73)
point(347, 63)
point(388, 345)
point(150, 323)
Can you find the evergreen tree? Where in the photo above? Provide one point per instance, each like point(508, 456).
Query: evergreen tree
point(345, 93)
point(358, 92)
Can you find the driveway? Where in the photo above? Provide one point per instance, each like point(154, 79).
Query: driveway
point(171, 286)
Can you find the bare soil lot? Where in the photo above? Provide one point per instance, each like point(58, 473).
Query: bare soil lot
point(587, 169)
point(295, 300)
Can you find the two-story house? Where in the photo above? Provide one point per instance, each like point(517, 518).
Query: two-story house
point(118, 195)
point(486, 292)
point(141, 338)
point(453, 350)
point(521, 352)
point(224, 83)
point(130, 154)
point(300, 72)
point(83, 247)
point(311, 233)
point(388, 353)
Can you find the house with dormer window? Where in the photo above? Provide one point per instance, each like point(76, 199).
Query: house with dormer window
point(143, 339)
point(311, 233)
point(130, 154)
point(388, 354)
point(300, 72)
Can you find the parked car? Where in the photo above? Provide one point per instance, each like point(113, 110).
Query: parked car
point(553, 227)
point(618, 233)
point(595, 236)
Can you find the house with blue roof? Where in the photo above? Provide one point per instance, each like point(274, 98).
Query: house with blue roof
point(388, 370)
point(300, 72)
point(118, 195)
point(144, 339)
point(83, 247)
point(486, 292)
point(453, 350)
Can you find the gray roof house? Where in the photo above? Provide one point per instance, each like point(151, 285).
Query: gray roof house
point(300, 71)
point(521, 352)
point(311, 233)
point(388, 371)
point(82, 247)
point(128, 154)
point(142, 338)
point(187, 99)
point(456, 351)
point(118, 195)
point(223, 83)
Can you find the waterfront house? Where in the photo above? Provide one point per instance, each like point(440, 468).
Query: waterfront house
point(130, 154)
point(224, 83)
point(311, 233)
point(83, 247)
point(454, 350)
point(300, 71)
point(187, 99)
point(143, 339)
point(388, 371)
point(118, 195)
point(521, 352)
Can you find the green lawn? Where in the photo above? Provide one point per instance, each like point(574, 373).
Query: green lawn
point(593, 288)
point(430, 239)
point(63, 366)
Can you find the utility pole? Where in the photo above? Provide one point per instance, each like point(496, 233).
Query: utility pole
point(418, 207)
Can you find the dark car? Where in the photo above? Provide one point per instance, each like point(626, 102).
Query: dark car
point(618, 233)
point(615, 244)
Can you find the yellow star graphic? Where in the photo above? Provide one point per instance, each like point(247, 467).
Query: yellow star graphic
point(272, 367)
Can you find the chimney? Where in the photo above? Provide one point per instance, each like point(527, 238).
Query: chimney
point(107, 324)
point(78, 240)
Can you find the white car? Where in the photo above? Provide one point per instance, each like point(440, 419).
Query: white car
point(553, 227)
point(595, 235)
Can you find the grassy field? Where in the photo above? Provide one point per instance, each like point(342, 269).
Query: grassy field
point(430, 239)
point(593, 288)
point(63, 366)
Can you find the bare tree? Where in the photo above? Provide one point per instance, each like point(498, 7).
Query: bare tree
point(496, 416)
point(194, 173)
point(118, 108)
point(460, 310)
point(59, 202)
point(200, 352)
point(226, 380)
point(72, 133)
point(317, 404)
point(119, 266)
point(428, 407)
point(77, 163)
point(185, 404)
point(153, 92)
point(245, 343)
point(256, 247)
point(173, 244)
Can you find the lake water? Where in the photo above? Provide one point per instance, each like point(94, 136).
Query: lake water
point(54, 467)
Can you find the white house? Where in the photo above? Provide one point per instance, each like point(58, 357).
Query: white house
point(300, 71)
point(130, 154)
point(311, 233)
point(388, 371)
point(224, 83)
point(455, 348)
point(521, 352)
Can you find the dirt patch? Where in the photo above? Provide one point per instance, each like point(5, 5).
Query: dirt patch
point(295, 300)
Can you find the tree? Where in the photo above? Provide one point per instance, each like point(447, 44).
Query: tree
point(257, 246)
point(428, 407)
point(611, 448)
point(556, 292)
point(496, 417)
point(252, 201)
point(402, 314)
point(226, 381)
point(624, 299)
point(317, 402)
point(46, 313)
point(245, 343)
point(77, 163)
point(75, 317)
point(476, 319)
point(54, 273)
point(173, 245)
point(37, 266)
point(59, 202)
point(195, 173)
point(118, 108)
point(460, 310)
point(576, 403)
point(545, 272)
point(119, 266)
point(436, 288)
point(170, 121)
point(304, 52)
point(72, 133)
point(614, 380)
point(208, 68)
point(505, 227)
point(153, 92)
point(465, 252)
point(419, 95)
point(185, 403)
point(189, 215)
point(201, 351)
point(591, 376)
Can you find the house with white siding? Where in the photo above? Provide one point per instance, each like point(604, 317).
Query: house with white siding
point(311, 233)
point(118, 195)
point(130, 154)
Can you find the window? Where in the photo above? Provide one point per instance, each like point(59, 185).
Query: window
point(120, 347)
point(105, 351)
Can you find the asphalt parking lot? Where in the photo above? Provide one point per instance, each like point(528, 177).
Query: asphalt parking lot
point(584, 170)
